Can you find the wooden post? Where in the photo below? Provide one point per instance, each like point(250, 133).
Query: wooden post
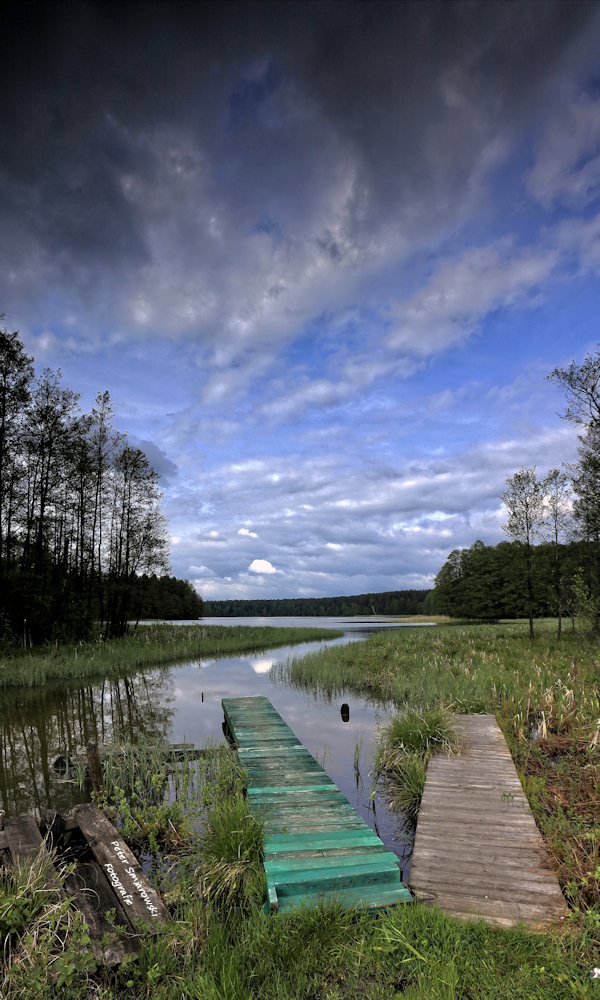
point(95, 769)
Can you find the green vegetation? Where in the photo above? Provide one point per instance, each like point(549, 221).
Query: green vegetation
point(405, 745)
point(392, 602)
point(148, 645)
point(221, 946)
point(165, 597)
point(545, 696)
point(490, 581)
point(477, 668)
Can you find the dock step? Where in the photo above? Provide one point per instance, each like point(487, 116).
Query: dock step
point(318, 851)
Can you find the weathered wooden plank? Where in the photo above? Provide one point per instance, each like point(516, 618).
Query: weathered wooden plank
point(359, 897)
point(488, 885)
point(477, 848)
point(24, 838)
point(324, 841)
point(316, 844)
point(496, 860)
point(492, 909)
point(140, 900)
point(93, 896)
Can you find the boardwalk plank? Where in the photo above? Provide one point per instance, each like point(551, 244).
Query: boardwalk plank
point(317, 848)
point(140, 901)
point(476, 853)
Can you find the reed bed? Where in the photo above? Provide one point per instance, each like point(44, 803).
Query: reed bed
point(545, 695)
point(404, 747)
point(476, 668)
point(148, 645)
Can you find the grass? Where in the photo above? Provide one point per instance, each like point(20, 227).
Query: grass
point(476, 668)
point(404, 747)
point(221, 946)
point(149, 645)
point(418, 619)
point(194, 825)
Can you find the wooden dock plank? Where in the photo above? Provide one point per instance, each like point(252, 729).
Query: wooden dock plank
point(317, 848)
point(92, 895)
point(87, 886)
point(139, 899)
point(23, 838)
point(478, 851)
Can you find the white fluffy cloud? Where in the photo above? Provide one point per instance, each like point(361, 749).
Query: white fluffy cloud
point(261, 566)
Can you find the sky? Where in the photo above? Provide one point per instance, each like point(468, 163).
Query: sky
point(322, 255)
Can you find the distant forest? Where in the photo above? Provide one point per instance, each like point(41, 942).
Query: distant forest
point(391, 602)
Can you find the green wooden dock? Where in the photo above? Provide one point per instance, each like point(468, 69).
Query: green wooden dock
point(317, 848)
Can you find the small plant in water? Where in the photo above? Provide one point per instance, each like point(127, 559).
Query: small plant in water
point(358, 749)
point(405, 745)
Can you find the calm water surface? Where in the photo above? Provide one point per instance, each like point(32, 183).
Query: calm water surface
point(183, 702)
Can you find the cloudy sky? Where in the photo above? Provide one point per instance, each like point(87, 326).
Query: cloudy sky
point(321, 254)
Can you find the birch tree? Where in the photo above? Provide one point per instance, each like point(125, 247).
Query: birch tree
point(524, 501)
point(555, 527)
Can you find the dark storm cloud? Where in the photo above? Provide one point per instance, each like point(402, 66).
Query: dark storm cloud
point(158, 459)
point(403, 96)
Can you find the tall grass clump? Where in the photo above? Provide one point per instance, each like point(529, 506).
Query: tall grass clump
point(424, 733)
point(404, 746)
point(46, 950)
point(146, 646)
point(227, 864)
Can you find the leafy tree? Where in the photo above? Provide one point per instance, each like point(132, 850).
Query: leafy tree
point(581, 384)
point(80, 515)
point(557, 523)
point(16, 377)
point(524, 501)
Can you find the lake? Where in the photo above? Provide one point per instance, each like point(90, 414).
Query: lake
point(183, 702)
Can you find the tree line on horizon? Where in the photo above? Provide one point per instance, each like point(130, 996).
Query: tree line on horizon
point(391, 602)
point(82, 535)
point(551, 566)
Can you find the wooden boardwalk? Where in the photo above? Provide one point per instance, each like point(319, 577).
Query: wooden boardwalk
point(317, 848)
point(478, 851)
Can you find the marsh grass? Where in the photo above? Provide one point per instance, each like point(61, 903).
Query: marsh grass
point(229, 855)
point(540, 690)
point(477, 668)
point(148, 645)
point(160, 800)
point(45, 944)
point(330, 954)
point(221, 946)
point(424, 733)
point(404, 747)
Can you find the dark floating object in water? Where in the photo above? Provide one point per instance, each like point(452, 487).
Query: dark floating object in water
point(62, 764)
point(345, 712)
